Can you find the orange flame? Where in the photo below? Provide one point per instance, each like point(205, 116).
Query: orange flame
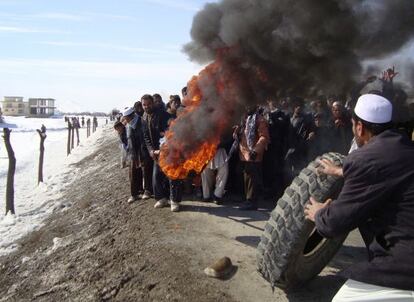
point(195, 163)
point(226, 85)
point(171, 160)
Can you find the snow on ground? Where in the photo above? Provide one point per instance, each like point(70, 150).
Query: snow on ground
point(33, 203)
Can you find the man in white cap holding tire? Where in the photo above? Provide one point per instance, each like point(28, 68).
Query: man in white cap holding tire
point(378, 198)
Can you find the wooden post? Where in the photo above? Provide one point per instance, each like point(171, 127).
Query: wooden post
point(42, 134)
point(69, 135)
point(73, 137)
point(88, 128)
point(77, 135)
point(10, 173)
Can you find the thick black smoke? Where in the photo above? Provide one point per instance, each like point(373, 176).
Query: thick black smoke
point(303, 46)
point(277, 48)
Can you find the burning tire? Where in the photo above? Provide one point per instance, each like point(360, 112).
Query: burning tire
point(291, 251)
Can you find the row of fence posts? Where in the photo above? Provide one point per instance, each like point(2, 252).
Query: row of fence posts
point(12, 165)
point(73, 128)
point(42, 133)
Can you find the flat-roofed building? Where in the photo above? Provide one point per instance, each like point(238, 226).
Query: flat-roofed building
point(41, 107)
point(14, 106)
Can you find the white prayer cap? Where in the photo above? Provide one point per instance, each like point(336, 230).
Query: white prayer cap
point(374, 109)
point(128, 111)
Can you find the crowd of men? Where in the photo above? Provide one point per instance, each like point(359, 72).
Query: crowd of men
point(270, 146)
point(262, 155)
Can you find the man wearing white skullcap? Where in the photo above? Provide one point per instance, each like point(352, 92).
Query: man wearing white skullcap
point(374, 109)
point(378, 198)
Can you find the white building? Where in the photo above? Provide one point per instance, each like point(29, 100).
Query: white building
point(35, 107)
point(40, 107)
point(14, 106)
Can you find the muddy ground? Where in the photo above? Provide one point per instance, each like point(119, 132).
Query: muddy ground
point(96, 247)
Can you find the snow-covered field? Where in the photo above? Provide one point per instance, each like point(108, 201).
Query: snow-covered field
point(34, 203)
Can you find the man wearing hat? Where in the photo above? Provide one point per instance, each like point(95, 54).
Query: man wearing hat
point(378, 198)
point(138, 157)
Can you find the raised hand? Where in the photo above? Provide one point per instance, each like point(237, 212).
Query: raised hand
point(391, 73)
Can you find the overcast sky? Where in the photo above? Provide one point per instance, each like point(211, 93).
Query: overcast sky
point(96, 54)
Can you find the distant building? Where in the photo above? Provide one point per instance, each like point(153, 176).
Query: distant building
point(14, 106)
point(35, 107)
point(39, 107)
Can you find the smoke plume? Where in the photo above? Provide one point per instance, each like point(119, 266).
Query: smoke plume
point(277, 48)
point(306, 45)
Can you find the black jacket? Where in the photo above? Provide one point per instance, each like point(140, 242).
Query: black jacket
point(378, 197)
point(279, 124)
point(154, 126)
point(341, 136)
point(136, 149)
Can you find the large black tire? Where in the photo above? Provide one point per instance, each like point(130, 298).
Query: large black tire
point(291, 251)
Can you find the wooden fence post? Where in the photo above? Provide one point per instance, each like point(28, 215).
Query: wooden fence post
point(94, 124)
point(42, 134)
point(77, 136)
point(73, 137)
point(88, 128)
point(69, 136)
point(10, 173)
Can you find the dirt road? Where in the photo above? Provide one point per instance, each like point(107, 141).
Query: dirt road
point(103, 249)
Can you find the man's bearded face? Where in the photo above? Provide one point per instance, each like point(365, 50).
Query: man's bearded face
point(297, 109)
point(148, 106)
point(336, 112)
point(157, 102)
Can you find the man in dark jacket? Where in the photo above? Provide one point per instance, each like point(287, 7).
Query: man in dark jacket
point(155, 125)
point(378, 198)
point(137, 153)
point(301, 133)
point(341, 128)
point(273, 161)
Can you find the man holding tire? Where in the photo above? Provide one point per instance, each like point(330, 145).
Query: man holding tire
point(378, 198)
